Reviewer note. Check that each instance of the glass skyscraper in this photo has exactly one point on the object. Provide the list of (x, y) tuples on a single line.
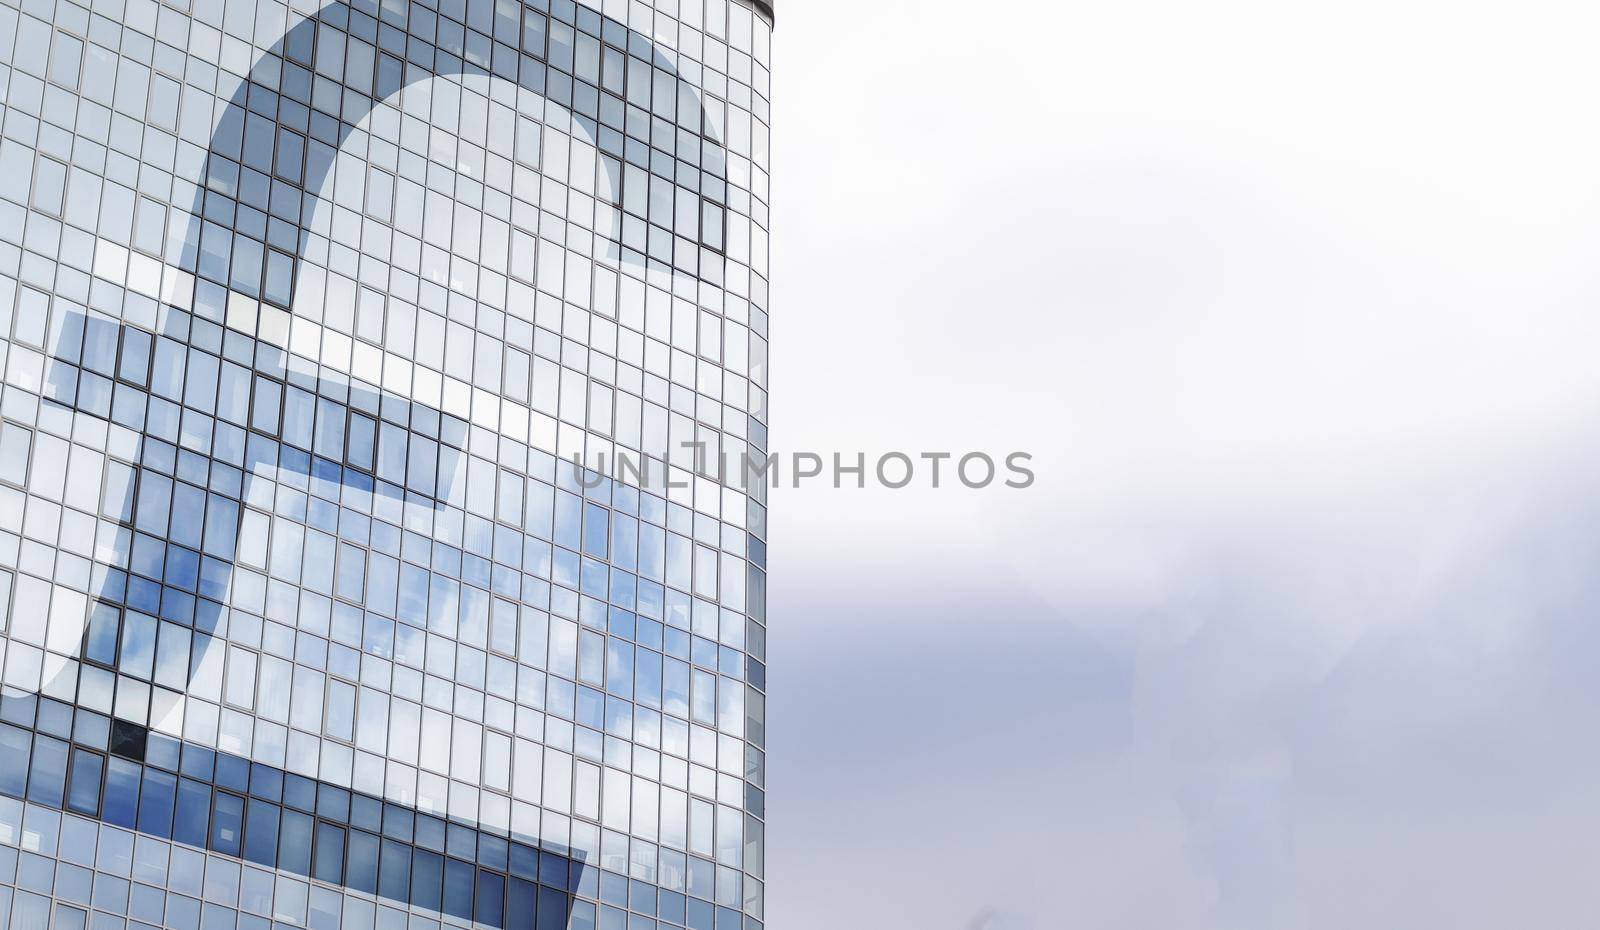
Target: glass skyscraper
[(308, 618)]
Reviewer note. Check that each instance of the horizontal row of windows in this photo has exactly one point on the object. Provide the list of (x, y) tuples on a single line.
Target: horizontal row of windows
[(280, 820), (509, 372), (240, 392), (193, 662), (174, 514), (354, 51), (392, 579), (374, 432)]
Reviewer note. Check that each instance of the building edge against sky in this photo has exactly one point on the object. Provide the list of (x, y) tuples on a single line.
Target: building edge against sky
[(308, 620)]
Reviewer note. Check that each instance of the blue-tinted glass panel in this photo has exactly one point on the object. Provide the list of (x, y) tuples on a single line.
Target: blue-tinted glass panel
[(521, 903), (121, 802), (394, 871), (490, 907), (193, 813), (458, 889), (15, 746), (361, 862), (294, 843), (227, 823), (157, 802), (47, 778), (261, 832), (553, 907), (83, 795), (329, 860), (427, 878)]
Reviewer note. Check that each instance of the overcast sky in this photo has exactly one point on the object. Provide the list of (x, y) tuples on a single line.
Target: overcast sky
[(1296, 308)]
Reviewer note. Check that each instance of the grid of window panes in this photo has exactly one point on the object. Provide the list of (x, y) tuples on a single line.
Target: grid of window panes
[(306, 623)]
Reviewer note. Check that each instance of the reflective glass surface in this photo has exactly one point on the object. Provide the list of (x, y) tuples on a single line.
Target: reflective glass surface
[(308, 617)]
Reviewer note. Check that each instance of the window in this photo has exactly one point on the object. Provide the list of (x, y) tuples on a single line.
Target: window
[(121, 799), (329, 858), (193, 813), (157, 802), (227, 823), (83, 794), (15, 745)]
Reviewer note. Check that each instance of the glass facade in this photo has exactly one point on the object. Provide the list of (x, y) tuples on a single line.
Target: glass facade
[(307, 616)]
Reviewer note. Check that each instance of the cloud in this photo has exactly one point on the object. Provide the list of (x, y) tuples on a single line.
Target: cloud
[(1313, 713), (1295, 309)]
